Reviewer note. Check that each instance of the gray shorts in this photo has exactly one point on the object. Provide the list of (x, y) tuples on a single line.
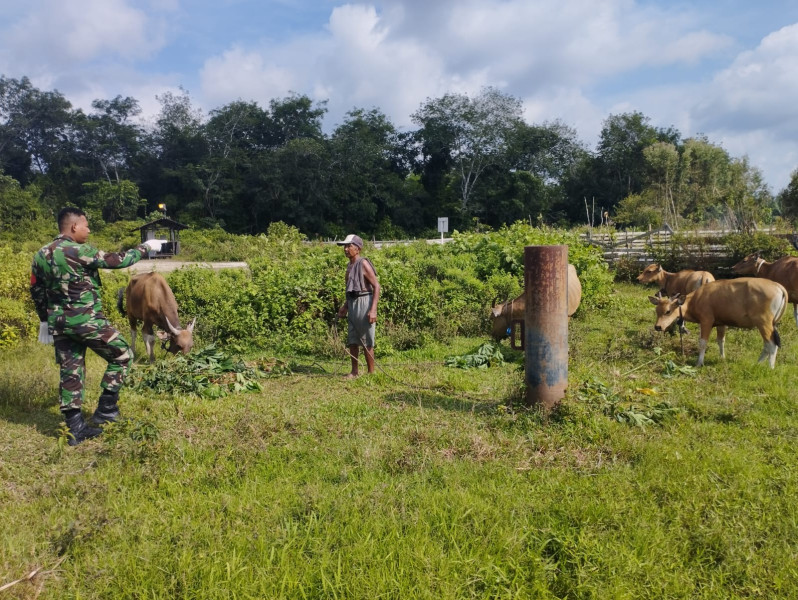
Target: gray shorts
[(360, 331)]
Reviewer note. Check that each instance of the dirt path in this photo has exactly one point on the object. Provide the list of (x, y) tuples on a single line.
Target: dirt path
[(165, 266)]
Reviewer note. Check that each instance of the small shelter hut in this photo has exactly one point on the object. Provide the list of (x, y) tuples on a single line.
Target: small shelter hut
[(167, 231)]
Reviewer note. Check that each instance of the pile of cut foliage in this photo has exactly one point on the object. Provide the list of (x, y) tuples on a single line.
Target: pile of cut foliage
[(487, 355), (209, 372)]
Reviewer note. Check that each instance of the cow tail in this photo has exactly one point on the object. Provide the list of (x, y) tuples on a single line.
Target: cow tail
[(120, 301), (776, 338)]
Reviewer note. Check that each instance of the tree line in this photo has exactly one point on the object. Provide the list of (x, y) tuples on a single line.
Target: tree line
[(473, 159)]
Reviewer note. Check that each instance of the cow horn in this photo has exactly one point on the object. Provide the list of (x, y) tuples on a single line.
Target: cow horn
[(493, 304), (190, 327), (172, 328)]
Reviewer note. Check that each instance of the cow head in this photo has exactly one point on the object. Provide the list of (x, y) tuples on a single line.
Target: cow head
[(667, 309), (180, 340), (749, 265), (650, 273), (501, 317)]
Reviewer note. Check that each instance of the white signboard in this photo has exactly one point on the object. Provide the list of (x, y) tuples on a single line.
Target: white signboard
[(443, 225)]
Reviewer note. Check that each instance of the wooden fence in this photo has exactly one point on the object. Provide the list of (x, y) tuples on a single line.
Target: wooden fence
[(698, 249)]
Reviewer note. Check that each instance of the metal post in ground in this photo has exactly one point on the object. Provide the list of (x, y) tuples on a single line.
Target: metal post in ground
[(546, 332)]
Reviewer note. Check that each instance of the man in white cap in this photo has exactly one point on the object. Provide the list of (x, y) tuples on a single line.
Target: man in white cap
[(362, 295)]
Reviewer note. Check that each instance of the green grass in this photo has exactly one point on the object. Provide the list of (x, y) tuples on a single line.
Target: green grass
[(419, 482)]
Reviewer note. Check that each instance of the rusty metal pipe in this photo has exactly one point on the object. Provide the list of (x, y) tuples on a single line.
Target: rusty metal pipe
[(546, 335)]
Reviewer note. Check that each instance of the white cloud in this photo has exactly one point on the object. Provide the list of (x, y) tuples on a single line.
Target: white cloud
[(57, 35)]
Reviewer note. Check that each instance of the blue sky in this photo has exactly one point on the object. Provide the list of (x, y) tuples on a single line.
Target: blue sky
[(727, 69)]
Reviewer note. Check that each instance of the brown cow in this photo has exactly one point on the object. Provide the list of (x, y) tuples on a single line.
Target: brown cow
[(515, 309), (669, 284), (151, 301), (746, 302), (783, 271)]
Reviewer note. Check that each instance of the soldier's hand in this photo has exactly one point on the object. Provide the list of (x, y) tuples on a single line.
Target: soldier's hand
[(44, 333), (154, 245)]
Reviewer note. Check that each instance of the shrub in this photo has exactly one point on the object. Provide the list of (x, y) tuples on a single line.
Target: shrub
[(741, 245), (17, 321)]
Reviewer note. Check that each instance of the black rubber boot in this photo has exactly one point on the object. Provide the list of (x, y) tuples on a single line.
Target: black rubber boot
[(107, 409), (78, 428)]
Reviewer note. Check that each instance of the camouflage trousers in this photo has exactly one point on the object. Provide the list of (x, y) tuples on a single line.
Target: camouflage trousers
[(70, 354)]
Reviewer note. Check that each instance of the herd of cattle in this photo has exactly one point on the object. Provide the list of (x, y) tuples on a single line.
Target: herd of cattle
[(755, 302)]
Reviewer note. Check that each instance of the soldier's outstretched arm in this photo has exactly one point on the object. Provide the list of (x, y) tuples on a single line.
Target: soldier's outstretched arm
[(91, 257)]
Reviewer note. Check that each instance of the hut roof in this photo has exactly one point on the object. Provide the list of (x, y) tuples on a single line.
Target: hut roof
[(163, 222)]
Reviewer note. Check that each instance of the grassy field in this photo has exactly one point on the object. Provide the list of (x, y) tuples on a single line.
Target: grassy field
[(653, 480)]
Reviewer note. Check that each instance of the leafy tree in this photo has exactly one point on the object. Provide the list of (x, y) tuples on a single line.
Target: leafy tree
[(367, 170), (16, 205), (703, 177), (292, 185), (620, 159), (662, 159), (474, 132), (295, 117), (112, 200), (788, 198), (748, 200), (548, 151), (111, 138), (173, 150)]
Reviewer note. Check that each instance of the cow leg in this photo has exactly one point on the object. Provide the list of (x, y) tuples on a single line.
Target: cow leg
[(149, 340), (149, 343), (722, 340), (795, 311), (769, 351), (769, 347), (706, 329), (133, 324)]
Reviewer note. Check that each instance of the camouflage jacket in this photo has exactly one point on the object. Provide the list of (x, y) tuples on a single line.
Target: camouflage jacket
[(65, 281)]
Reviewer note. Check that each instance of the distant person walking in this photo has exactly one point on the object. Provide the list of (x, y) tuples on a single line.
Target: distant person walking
[(65, 287), (362, 296)]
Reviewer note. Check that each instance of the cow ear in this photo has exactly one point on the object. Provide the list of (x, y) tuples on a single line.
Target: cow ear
[(676, 296), (496, 311), (162, 335), (654, 300), (681, 301), (190, 327)]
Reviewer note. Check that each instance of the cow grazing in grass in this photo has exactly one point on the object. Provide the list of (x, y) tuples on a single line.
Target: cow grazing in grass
[(783, 271), (746, 302), (515, 310), (669, 284), (151, 301)]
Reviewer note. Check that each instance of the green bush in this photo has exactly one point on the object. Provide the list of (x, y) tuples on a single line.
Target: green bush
[(503, 251), (17, 321), (742, 244)]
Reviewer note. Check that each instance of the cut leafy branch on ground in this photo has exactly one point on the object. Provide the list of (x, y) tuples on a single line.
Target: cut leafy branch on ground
[(487, 355), (625, 409), (209, 372)]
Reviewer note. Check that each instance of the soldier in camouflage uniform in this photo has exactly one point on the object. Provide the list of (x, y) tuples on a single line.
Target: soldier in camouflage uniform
[(65, 286)]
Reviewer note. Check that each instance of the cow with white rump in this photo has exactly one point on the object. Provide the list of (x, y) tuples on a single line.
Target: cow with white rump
[(783, 271), (151, 301), (746, 302), (504, 314)]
